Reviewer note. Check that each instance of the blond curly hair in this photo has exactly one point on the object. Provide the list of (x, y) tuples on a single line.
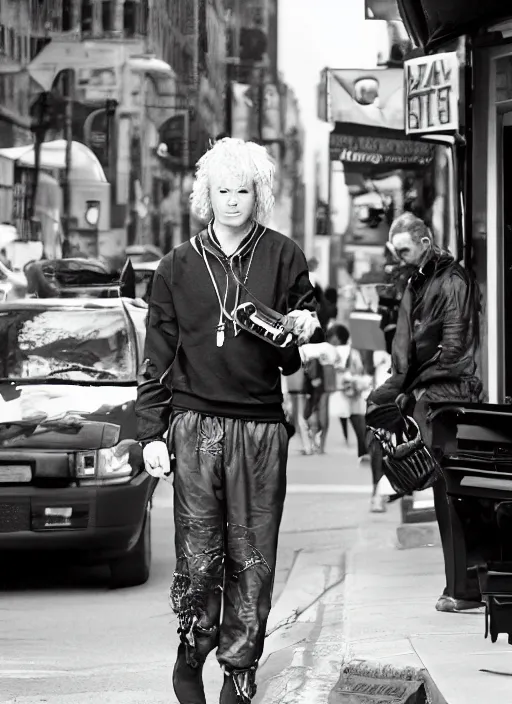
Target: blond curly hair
[(247, 161)]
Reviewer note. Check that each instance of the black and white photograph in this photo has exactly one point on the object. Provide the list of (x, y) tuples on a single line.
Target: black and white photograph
[(255, 385)]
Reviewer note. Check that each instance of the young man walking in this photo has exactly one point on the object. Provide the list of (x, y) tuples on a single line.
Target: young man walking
[(434, 358), (215, 387)]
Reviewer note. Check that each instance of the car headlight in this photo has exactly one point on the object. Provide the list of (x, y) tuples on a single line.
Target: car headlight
[(107, 463)]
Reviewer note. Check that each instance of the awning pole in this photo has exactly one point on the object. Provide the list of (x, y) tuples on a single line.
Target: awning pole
[(468, 171)]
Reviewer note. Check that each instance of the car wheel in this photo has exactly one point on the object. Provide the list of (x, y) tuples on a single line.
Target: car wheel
[(133, 569)]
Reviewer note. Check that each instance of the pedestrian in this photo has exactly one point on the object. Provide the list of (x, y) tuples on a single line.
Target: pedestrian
[(329, 311), (297, 398), (319, 383), (348, 401), (381, 489), (215, 387), (434, 359)]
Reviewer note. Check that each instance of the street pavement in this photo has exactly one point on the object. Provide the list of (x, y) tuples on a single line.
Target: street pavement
[(65, 638)]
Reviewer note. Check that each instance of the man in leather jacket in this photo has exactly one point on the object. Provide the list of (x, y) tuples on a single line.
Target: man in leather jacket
[(215, 387), (434, 359)]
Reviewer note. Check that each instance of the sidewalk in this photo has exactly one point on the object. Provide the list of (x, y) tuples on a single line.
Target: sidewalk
[(373, 628)]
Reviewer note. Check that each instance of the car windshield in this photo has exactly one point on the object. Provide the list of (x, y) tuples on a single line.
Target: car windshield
[(66, 344)]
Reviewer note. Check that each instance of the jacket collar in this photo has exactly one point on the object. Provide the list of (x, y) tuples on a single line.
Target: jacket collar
[(211, 244), (435, 266)]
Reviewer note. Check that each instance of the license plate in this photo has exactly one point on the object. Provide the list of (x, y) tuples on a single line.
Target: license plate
[(15, 474)]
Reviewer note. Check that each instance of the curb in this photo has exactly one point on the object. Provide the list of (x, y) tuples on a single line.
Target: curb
[(427, 691)]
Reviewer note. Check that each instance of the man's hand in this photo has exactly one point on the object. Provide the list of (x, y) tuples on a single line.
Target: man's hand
[(302, 324), (156, 459)]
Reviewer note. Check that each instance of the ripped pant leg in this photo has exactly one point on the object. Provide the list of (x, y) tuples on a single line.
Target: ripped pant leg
[(196, 592), (255, 456)]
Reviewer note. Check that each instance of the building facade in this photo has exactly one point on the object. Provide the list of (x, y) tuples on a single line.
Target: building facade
[(19, 44), (262, 108), (144, 76), (470, 109)]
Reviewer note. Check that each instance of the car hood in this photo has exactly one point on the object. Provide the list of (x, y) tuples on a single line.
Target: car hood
[(65, 416)]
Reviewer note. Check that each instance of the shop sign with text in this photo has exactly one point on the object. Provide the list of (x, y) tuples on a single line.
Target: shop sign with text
[(379, 151), (432, 94)]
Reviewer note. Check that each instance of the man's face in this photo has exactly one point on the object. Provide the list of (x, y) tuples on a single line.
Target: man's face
[(232, 200), (409, 251)]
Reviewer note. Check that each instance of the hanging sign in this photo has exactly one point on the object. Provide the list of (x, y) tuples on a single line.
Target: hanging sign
[(379, 151), (432, 94)]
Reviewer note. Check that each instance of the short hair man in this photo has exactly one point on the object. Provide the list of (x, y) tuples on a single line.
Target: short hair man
[(434, 359), (217, 388)]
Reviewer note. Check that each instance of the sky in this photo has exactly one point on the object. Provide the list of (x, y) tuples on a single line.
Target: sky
[(314, 34)]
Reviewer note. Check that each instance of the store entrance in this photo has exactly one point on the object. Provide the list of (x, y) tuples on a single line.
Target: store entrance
[(507, 249)]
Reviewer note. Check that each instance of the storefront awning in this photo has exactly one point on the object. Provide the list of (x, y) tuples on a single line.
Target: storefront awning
[(434, 22), (84, 164)]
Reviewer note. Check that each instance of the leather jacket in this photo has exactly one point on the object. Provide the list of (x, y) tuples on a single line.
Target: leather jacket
[(436, 336)]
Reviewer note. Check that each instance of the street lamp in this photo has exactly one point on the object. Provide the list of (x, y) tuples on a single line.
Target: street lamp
[(92, 212)]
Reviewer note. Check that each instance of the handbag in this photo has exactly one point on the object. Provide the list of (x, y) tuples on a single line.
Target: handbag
[(408, 463)]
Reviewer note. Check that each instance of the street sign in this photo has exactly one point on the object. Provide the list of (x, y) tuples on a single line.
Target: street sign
[(432, 94), (379, 151)]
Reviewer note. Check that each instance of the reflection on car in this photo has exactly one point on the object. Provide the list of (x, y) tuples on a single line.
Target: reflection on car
[(71, 473), (144, 272)]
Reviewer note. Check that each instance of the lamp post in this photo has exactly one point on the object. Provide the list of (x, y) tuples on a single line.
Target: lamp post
[(69, 91), (144, 64)]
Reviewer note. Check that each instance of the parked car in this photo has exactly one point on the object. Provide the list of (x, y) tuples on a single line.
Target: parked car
[(144, 272), (143, 253), (71, 472)]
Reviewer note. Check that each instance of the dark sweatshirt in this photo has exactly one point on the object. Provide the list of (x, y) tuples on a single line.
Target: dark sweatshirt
[(184, 368)]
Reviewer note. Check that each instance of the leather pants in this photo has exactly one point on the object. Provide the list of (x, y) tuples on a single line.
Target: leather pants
[(229, 491)]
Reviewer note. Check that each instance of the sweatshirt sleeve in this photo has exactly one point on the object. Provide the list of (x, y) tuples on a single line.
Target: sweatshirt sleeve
[(153, 405), (300, 295)]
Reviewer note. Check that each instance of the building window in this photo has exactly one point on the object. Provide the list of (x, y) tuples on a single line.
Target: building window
[(143, 17), (11, 47), (37, 44), (3, 48), (87, 16), (67, 15), (107, 15), (130, 18)]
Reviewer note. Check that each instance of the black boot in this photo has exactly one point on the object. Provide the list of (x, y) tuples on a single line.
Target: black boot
[(238, 688), (187, 677), (228, 693)]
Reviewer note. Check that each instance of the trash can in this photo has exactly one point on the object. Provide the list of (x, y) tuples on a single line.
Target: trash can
[(474, 445)]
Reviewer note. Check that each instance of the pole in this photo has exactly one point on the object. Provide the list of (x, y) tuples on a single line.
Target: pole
[(229, 101), (467, 243), (261, 99), (68, 136)]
